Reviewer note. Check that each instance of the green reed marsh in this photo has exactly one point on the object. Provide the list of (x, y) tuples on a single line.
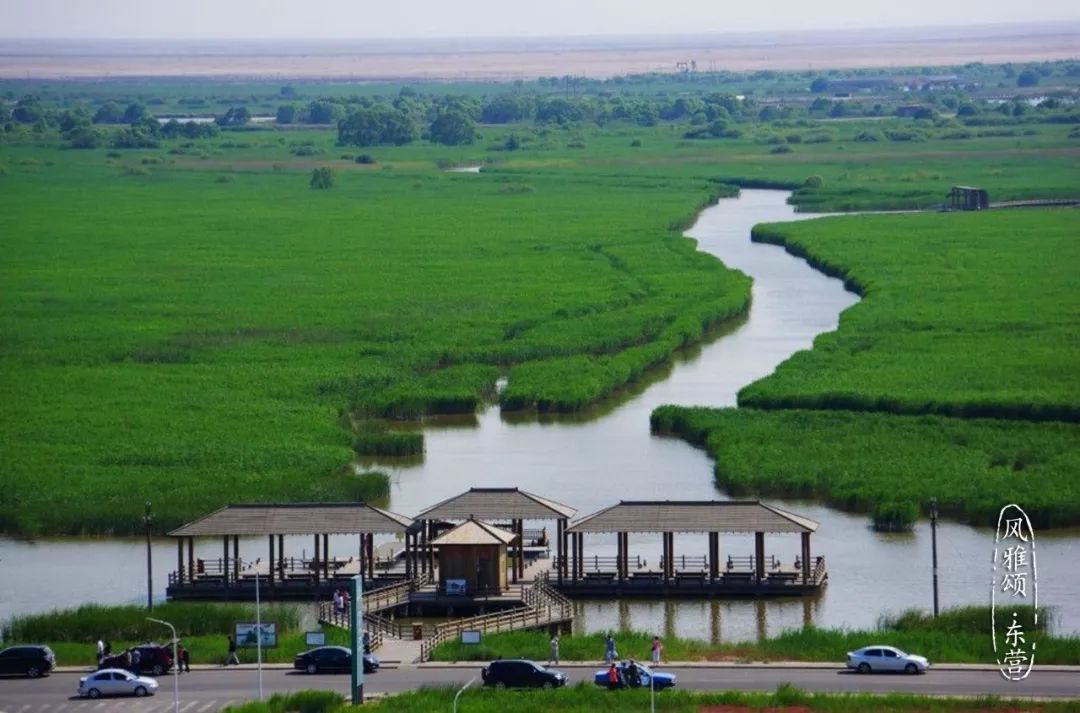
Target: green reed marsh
[(963, 315)]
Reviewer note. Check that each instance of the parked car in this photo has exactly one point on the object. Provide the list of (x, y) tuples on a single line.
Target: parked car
[(116, 682), (637, 675), (152, 659), (518, 673), (332, 659), (27, 660), (885, 658)]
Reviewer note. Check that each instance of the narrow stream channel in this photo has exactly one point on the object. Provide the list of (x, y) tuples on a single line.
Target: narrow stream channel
[(592, 461)]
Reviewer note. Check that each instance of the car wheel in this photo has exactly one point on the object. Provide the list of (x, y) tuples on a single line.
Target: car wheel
[(93, 693), (140, 691), (548, 685), (500, 684), (312, 668), (33, 672), (158, 669), (911, 668), (864, 667)]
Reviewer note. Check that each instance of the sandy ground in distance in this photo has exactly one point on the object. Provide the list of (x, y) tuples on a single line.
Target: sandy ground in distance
[(530, 63)]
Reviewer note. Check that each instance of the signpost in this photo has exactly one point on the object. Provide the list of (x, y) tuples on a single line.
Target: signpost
[(356, 624)]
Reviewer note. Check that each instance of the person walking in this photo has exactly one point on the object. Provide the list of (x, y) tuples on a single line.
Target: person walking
[(657, 650), (553, 655), (136, 662), (183, 665), (233, 660), (613, 676), (610, 654)]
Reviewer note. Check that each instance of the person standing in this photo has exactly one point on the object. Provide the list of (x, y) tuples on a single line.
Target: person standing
[(553, 655), (613, 676), (233, 660), (657, 650), (610, 654), (100, 650), (183, 665), (136, 662)]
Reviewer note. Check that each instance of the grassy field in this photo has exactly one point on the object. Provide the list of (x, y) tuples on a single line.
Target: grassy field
[(584, 698), (196, 321), (206, 338), (959, 635), (853, 460), (963, 315), (73, 633)]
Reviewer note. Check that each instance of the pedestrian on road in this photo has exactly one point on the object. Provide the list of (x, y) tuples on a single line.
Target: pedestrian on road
[(657, 649), (610, 654), (136, 662), (184, 663), (100, 650), (232, 660), (553, 656)]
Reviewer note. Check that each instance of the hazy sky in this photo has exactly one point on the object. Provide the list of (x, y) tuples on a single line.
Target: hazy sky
[(492, 18)]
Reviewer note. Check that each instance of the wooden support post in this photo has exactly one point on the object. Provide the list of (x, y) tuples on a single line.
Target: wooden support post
[(179, 560), (806, 557), (759, 556), (521, 549), (326, 555), (225, 561), (236, 557), (618, 556), (270, 562), (281, 556), (573, 557), (371, 554), (315, 562), (191, 559), (559, 550), (714, 556), (581, 553)]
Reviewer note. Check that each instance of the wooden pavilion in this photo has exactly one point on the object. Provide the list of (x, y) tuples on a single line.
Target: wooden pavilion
[(229, 576), (494, 505), (693, 576), (474, 555)]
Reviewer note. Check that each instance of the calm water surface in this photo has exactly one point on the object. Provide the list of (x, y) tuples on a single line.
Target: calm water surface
[(590, 462)]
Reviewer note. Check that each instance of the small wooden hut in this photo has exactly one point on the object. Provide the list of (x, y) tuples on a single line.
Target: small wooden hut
[(472, 558)]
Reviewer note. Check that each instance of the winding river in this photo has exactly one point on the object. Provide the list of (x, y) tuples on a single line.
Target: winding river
[(591, 461)]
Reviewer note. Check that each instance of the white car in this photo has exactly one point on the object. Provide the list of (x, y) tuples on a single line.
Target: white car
[(116, 682), (885, 658)]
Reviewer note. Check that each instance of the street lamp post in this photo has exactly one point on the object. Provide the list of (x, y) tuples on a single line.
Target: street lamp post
[(933, 547), (148, 518), (176, 661), (458, 694)]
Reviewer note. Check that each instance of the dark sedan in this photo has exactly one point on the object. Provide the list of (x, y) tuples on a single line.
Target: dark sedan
[(332, 659), (30, 660)]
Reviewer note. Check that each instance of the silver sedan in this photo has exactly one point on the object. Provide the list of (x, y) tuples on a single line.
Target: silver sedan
[(116, 682), (885, 658)]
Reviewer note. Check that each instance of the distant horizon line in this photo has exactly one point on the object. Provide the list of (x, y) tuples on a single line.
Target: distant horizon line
[(1046, 26)]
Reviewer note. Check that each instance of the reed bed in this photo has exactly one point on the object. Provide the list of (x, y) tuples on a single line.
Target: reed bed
[(855, 460)]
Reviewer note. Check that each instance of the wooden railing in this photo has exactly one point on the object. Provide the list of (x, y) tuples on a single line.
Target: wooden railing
[(543, 606), (340, 619), (819, 570)]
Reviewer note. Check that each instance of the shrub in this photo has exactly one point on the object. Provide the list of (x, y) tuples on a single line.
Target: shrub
[(365, 159), (636, 143), (782, 148), (895, 516), (322, 178), (814, 181)]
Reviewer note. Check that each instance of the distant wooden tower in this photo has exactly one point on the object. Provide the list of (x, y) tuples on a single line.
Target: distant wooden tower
[(968, 198)]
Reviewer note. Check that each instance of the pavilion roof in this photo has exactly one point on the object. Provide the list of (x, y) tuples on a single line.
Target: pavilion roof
[(475, 532), (732, 516), (497, 504), (296, 519)]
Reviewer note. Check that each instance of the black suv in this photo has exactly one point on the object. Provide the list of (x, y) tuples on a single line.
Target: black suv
[(32, 661), (153, 659), (517, 673)]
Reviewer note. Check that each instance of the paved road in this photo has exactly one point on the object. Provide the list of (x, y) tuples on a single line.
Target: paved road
[(212, 689)]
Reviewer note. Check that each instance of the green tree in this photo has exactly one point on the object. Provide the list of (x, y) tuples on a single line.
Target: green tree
[(452, 128), (1027, 78), (375, 125), (134, 112), (286, 114), (109, 113), (819, 85), (235, 116)]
